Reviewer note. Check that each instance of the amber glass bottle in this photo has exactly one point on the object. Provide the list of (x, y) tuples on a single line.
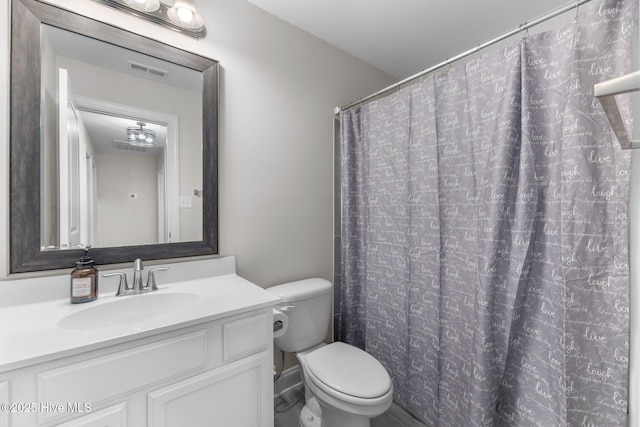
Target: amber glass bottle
[(84, 280)]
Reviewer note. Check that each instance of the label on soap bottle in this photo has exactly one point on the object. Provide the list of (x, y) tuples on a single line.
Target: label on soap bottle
[(81, 287)]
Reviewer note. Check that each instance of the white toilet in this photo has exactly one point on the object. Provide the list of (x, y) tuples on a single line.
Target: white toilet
[(344, 386)]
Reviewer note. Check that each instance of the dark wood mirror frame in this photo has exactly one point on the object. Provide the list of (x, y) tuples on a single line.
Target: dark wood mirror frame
[(25, 247)]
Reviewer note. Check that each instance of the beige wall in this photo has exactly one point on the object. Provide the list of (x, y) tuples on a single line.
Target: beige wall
[(50, 171), (278, 89)]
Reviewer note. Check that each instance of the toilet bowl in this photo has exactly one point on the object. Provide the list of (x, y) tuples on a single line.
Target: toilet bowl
[(344, 385), (350, 385)]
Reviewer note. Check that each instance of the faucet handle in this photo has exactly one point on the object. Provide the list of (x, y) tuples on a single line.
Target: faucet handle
[(123, 286), (151, 278)]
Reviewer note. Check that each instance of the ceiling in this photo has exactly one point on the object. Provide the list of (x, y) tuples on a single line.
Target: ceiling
[(404, 37), (110, 56), (107, 129), (108, 133)]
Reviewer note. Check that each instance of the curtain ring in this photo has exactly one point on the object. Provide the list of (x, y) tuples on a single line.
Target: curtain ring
[(480, 51), (524, 31), (577, 9)]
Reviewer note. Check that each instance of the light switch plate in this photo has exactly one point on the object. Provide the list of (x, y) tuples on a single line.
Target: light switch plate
[(185, 202)]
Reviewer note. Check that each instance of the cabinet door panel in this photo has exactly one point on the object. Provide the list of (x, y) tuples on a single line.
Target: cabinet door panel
[(114, 416), (116, 374), (230, 396), (245, 336), (4, 398)]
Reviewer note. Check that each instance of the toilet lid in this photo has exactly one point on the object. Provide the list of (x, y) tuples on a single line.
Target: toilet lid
[(349, 370)]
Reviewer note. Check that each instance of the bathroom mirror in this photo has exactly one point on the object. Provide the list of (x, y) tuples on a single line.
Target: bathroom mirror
[(40, 236), (128, 147)]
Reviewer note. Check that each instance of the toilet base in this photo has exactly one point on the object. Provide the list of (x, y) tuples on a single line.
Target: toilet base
[(308, 418), (336, 418)]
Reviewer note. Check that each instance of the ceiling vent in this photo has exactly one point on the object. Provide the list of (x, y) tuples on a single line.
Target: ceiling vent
[(122, 145), (141, 68)]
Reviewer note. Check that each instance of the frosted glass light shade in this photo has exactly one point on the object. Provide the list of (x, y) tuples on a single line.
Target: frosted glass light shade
[(185, 14), (141, 137), (143, 5)]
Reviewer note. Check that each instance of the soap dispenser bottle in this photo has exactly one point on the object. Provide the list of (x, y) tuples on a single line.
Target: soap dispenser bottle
[(84, 280)]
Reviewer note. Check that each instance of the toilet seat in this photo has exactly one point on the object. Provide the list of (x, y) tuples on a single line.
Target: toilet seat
[(342, 369)]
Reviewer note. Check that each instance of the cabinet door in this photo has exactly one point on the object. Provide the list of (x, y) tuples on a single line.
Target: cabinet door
[(4, 398), (114, 416), (234, 395)]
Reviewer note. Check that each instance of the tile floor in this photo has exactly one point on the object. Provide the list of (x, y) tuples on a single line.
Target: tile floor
[(289, 404)]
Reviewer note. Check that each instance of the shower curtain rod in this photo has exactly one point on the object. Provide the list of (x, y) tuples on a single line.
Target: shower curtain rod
[(478, 48)]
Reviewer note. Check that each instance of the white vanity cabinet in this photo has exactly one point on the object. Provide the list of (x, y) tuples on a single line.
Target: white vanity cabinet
[(215, 373)]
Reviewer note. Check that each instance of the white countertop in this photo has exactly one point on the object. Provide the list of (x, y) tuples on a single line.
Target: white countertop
[(30, 333)]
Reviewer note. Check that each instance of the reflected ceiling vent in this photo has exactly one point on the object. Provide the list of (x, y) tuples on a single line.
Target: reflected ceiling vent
[(125, 146), (155, 72)]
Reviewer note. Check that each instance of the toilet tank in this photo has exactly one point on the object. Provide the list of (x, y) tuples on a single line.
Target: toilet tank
[(307, 304)]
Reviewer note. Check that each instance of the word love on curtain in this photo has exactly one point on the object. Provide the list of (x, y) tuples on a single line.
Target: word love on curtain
[(485, 233)]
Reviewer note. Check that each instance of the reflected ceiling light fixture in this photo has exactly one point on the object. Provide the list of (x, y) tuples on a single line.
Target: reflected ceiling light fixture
[(141, 137), (182, 16)]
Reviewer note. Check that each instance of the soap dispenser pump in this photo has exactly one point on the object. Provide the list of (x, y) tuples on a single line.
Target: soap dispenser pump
[(84, 280)]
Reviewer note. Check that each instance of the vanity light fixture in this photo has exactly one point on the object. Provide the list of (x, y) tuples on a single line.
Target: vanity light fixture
[(185, 14), (141, 137), (182, 16), (143, 5)]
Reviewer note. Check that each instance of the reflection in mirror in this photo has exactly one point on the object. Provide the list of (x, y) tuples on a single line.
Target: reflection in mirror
[(100, 188), (78, 175)]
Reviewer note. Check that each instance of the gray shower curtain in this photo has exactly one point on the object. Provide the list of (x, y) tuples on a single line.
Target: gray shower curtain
[(485, 233)]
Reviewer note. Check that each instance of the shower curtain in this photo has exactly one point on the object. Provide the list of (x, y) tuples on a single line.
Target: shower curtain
[(484, 233)]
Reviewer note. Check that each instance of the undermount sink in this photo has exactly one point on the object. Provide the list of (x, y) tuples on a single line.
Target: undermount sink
[(128, 310)]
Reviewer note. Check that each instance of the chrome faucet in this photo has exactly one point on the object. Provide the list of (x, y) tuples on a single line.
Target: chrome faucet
[(137, 276), (138, 287)]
